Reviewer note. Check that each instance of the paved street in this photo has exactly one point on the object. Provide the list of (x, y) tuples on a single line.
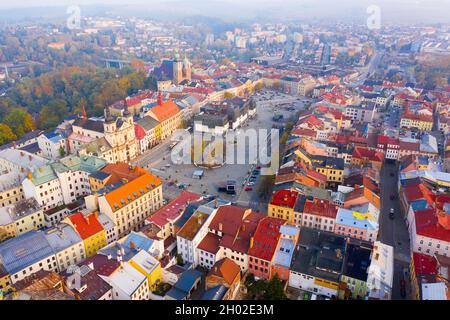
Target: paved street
[(158, 160), (394, 232)]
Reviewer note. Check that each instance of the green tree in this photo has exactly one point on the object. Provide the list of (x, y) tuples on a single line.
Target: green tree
[(62, 152), (274, 289), (52, 114), (20, 121)]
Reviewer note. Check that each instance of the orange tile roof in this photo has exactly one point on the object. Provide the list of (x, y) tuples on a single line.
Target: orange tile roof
[(226, 269), (191, 227), (129, 192), (122, 170), (86, 226), (165, 111)]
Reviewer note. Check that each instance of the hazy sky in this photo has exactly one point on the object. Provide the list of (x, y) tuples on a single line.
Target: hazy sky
[(393, 10)]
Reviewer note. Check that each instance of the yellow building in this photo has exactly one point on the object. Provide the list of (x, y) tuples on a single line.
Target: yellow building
[(168, 114), (421, 122), (149, 267), (11, 195), (282, 206), (90, 230), (19, 218), (131, 203), (332, 168)]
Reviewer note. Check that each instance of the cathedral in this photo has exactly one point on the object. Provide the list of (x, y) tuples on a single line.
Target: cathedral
[(176, 70)]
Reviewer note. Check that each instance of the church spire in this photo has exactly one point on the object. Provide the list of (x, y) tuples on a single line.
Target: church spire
[(108, 116), (83, 112), (126, 112)]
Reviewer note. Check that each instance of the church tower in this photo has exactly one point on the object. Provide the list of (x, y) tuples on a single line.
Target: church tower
[(109, 125), (186, 69), (177, 69), (127, 116)]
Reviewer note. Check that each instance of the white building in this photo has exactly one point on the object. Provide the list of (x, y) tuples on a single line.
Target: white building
[(110, 228), (13, 160), (62, 182), (67, 245), (53, 145), (128, 284), (193, 232), (381, 272)]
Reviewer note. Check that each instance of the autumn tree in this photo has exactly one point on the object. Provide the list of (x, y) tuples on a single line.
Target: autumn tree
[(20, 121), (228, 95), (6, 134)]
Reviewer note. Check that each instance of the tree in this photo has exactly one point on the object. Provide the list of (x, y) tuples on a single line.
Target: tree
[(20, 121), (259, 86), (62, 152), (180, 261), (265, 184), (228, 95), (274, 289), (137, 65), (6, 134), (52, 114)]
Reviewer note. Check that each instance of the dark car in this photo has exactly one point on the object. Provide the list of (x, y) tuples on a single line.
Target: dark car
[(392, 174), (393, 197)]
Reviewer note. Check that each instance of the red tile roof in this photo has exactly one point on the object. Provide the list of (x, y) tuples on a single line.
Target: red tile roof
[(413, 193), (265, 239), (240, 241), (228, 219), (210, 243), (139, 131), (369, 154), (284, 198), (321, 208), (410, 146), (424, 264), (300, 132), (427, 225), (174, 209), (86, 226)]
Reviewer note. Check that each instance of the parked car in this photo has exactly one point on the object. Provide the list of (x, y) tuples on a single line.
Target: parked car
[(248, 189), (251, 183)]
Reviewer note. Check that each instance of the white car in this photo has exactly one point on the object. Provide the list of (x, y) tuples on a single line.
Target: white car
[(251, 183)]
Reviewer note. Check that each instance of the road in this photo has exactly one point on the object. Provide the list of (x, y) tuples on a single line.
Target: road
[(368, 70), (394, 232)]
